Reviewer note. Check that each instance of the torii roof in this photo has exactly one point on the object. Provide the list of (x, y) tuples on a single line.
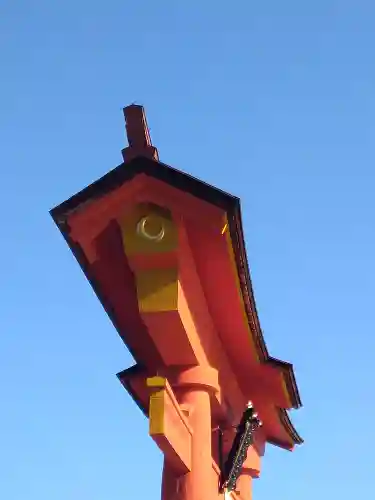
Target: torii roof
[(149, 166), (124, 173)]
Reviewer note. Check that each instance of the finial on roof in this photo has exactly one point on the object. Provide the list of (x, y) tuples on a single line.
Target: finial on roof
[(138, 134)]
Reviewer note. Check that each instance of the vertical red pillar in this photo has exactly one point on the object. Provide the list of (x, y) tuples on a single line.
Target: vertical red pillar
[(244, 485), (195, 388), (197, 484)]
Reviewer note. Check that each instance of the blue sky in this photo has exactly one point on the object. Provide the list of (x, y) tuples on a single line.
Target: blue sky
[(272, 101)]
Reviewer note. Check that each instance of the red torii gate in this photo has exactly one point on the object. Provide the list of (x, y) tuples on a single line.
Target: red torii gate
[(165, 254)]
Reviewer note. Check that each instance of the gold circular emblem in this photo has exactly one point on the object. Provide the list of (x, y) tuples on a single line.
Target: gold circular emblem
[(151, 228)]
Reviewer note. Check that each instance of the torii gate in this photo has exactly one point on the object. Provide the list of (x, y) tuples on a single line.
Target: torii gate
[(165, 254)]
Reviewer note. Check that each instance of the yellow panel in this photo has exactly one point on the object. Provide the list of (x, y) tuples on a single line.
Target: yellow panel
[(156, 412), (156, 381), (156, 220), (157, 290)]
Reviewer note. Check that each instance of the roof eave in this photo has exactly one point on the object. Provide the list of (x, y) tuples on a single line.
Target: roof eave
[(238, 240)]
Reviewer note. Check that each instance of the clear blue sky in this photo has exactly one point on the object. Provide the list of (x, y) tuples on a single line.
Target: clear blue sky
[(273, 101)]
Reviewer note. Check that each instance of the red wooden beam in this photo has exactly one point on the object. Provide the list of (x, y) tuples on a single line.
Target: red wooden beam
[(138, 134)]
